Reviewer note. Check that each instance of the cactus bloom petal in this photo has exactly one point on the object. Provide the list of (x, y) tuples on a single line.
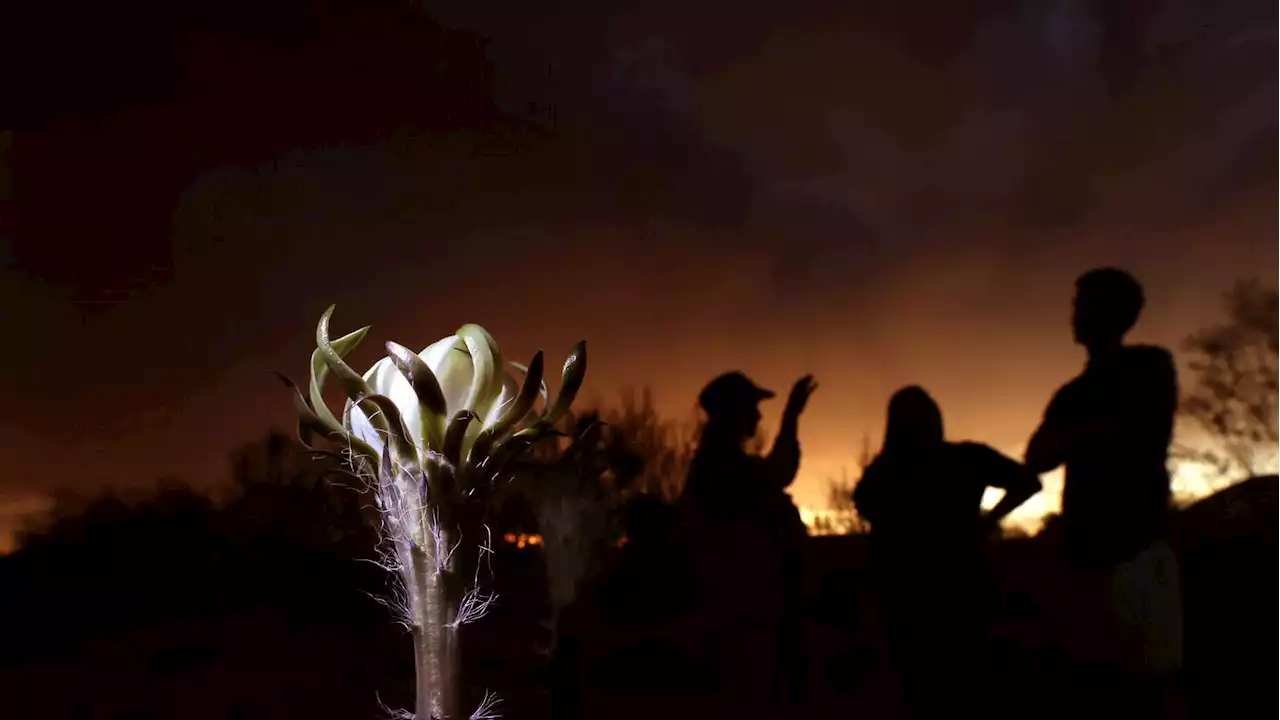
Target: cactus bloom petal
[(463, 380)]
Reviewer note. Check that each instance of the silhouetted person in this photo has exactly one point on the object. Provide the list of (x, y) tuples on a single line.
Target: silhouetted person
[(923, 498), (1111, 427), (748, 541)]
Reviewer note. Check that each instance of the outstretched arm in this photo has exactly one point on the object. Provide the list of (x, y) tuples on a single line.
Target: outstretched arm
[(1011, 501), (1019, 483)]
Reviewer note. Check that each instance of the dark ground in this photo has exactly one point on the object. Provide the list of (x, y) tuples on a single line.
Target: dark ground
[(92, 640)]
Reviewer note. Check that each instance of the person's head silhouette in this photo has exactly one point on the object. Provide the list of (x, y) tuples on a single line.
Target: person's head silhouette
[(1107, 304), (732, 404), (914, 422)]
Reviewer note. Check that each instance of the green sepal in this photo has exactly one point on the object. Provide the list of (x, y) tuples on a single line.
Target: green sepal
[(515, 412), (456, 435), (486, 361), (308, 423), (543, 391), (513, 448), (320, 371), (502, 459), (427, 387), (523, 401), (406, 453), (352, 384), (575, 370)]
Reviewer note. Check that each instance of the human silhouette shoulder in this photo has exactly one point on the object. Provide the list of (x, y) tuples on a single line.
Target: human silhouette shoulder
[(921, 482), (923, 497), (1110, 428), (723, 472), (1125, 395), (1111, 425)]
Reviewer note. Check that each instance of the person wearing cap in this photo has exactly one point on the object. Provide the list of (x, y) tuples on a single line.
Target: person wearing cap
[(724, 475), (748, 537)]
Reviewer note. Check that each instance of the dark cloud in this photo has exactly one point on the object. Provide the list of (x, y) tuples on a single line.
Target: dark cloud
[(877, 193), (1248, 171)]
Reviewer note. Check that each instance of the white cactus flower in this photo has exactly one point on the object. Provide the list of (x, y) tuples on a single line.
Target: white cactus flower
[(450, 411), (434, 432), (456, 372)]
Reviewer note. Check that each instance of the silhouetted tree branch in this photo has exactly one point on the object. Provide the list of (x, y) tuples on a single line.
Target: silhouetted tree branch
[(1231, 396), (655, 450), (844, 517)]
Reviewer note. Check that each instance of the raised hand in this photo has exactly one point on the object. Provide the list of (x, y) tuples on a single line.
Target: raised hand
[(799, 397)]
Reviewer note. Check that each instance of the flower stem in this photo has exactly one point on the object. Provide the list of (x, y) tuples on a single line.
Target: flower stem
[(437, 659)]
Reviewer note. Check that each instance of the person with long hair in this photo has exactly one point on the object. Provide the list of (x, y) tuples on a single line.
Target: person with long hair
[(923, 498)]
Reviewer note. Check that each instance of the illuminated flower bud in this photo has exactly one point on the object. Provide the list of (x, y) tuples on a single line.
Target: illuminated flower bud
[(452, 382), (433, 432), (455, 399)]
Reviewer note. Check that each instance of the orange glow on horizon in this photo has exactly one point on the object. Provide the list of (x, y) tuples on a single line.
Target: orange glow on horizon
[(1190, 482)]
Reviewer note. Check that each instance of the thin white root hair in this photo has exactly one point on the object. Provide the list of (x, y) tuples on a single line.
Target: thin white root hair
[(488, 709), (399, 521), (389, 559), (355, 462), (486, 552), (475, 603), (386, 561), (391, 713), (396, 606), (442, 554)]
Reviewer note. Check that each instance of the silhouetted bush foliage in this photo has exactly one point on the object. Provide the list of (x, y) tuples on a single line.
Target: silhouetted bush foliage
[(204, 588), (254, 601), (1231, 394)]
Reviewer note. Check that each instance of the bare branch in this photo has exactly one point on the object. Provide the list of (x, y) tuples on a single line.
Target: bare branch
[(1232, 400)]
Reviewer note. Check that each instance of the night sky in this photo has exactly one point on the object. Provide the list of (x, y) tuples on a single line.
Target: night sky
[(896, 194)]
